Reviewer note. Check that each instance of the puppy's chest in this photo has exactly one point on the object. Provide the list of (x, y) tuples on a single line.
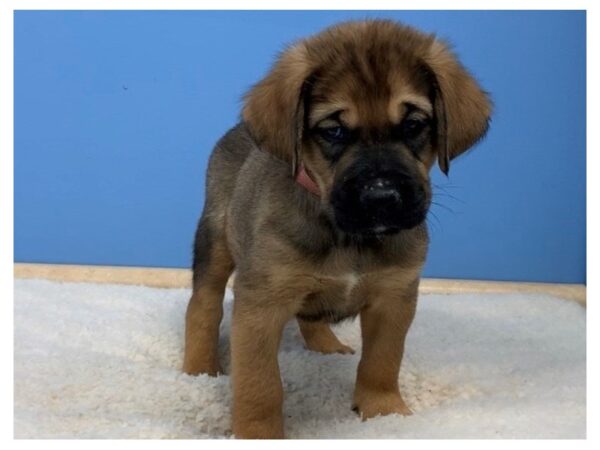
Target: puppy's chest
[(336, 296)]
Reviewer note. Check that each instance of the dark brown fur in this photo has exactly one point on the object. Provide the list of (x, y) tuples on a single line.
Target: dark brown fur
[(291, 257)]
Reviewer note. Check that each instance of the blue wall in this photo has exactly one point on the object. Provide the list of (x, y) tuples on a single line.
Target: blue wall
[(116, 113)]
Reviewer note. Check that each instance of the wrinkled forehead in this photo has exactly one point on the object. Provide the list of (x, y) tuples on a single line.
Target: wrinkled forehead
[(369, 98)]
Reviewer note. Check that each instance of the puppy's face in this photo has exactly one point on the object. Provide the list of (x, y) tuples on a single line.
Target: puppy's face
[(370, 149), (367, 108)]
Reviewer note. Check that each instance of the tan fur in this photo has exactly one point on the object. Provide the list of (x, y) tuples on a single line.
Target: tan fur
[(289, 263), (274, 101), (466, 105), (319, 338), (204, 314)]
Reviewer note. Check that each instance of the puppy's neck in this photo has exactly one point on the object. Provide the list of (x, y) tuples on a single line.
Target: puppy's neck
[(306, 181)]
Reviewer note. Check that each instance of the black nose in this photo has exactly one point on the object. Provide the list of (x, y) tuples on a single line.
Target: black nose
[(380, 192)]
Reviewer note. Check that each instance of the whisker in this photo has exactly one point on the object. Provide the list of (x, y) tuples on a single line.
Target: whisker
[(447, 186), (445, 194), (447, 208), (436, 219)]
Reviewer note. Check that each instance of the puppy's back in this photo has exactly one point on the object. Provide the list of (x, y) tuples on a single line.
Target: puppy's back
[(224, 164)]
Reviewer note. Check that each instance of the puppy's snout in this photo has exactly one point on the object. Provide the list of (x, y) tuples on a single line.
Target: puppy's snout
[(382, 192), (378, 202)]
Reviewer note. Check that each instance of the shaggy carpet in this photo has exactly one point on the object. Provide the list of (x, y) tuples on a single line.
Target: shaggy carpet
[(103, 361)]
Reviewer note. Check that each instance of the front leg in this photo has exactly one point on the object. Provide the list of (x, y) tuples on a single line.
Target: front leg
[(256, 332), (384, 324)]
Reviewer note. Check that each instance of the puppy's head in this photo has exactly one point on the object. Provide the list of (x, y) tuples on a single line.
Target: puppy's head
[(367, 108)]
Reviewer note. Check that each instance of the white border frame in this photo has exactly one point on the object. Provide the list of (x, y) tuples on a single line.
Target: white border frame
[(7, 8)]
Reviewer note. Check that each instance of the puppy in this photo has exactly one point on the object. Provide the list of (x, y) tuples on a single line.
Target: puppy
[(318, 199)]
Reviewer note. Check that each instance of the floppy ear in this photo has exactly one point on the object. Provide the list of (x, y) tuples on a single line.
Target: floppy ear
[(274, 108), (461, 107)]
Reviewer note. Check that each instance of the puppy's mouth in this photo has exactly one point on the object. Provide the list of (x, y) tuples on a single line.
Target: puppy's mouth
[(379, 206)]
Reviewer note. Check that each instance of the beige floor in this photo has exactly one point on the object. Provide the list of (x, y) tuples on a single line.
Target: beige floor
[(168, 278)]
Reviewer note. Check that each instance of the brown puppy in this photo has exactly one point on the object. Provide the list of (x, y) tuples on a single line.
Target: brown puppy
[(318, 200)]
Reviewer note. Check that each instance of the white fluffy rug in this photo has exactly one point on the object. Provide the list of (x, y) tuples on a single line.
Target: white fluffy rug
[(103, 361)]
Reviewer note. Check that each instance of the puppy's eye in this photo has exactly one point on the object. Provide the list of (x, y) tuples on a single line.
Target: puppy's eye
[(411, 127), (335, 135)]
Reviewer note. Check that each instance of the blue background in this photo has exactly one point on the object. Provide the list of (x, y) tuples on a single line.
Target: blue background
[(116, 113)]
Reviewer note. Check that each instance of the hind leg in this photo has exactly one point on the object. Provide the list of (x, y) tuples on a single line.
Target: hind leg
[(319, 338), (212, 267)]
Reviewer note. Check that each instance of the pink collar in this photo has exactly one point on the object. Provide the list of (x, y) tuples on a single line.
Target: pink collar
[(305, 180)]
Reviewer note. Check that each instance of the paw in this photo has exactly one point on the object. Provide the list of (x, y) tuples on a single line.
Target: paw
[(329, 347), (319, 338), (370, 404)]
